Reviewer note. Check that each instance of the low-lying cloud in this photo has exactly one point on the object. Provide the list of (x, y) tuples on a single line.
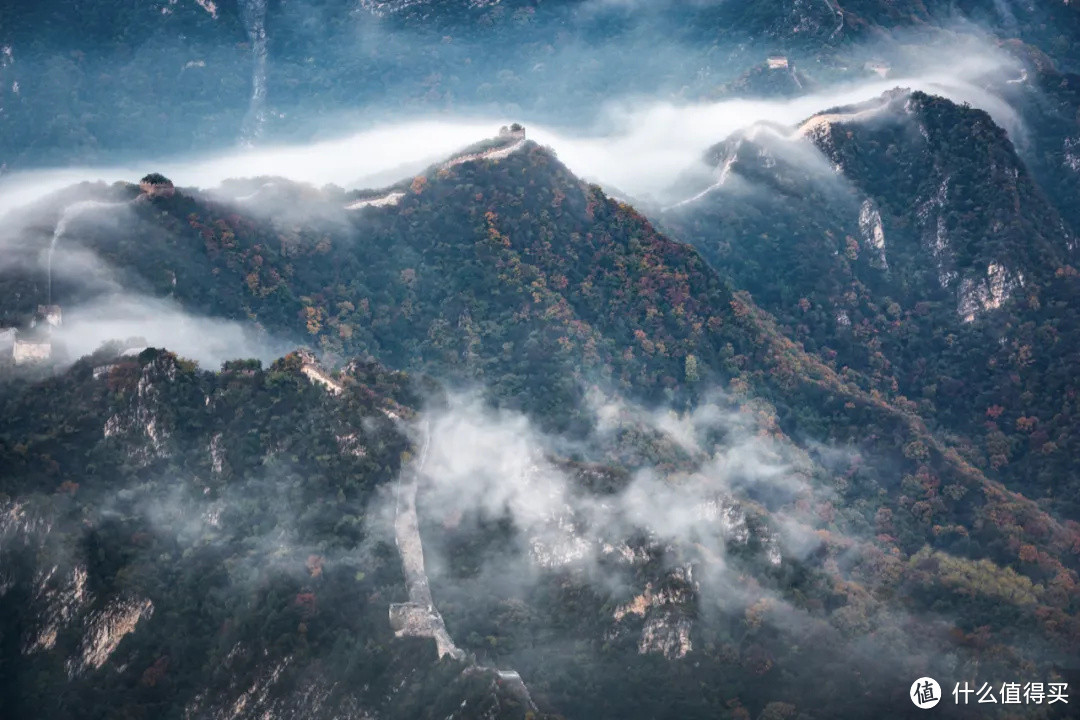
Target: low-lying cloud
[(489, 466), (156, 322), (636, 145)]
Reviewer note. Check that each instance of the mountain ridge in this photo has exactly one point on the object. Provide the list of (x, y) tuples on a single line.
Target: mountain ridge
[(513, 274)]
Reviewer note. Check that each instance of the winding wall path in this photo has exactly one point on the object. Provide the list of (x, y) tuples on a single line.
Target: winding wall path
[(419, 617)]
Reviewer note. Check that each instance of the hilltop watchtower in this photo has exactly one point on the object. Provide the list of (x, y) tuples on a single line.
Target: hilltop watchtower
[(515, 131), (52, 315), (157, 185), (35, 350)]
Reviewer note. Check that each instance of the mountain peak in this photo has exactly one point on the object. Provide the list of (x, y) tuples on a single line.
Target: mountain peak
[(463, 435)]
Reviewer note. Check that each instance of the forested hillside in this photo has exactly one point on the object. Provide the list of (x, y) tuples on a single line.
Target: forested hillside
[(741, 385), (920, 253), (847, 515), (181, 543)]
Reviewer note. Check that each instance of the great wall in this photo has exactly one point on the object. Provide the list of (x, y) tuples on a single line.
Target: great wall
[(514, 135), (418, 616)]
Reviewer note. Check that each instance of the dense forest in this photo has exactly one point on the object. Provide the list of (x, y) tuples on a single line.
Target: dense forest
[(780, 426), (224, 513), (902, 251), (513, 276)]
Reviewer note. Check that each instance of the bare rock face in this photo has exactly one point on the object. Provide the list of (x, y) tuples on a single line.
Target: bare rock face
[(1072, 154), (140, 424), (989, 293), (873, 231), (381, 8), (667, 627), (104, 629)]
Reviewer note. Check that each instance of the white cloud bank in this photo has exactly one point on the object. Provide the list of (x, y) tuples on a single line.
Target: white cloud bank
[(638, 145), (163, 323)]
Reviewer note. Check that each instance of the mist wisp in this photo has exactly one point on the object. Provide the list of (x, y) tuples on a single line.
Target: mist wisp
[(636, 145)]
